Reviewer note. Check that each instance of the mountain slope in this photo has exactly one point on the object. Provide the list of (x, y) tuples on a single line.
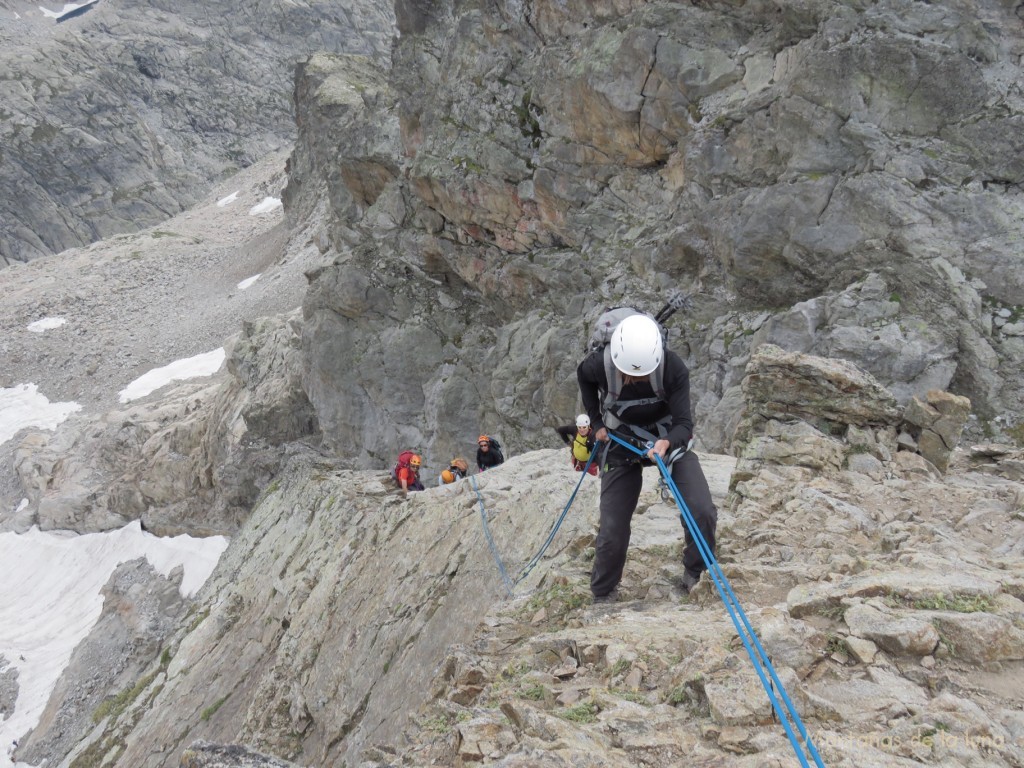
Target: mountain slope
[(124, 116)]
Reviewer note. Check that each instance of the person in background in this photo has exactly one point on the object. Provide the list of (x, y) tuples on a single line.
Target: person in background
[(488, 453), (407, 472), (581, 438), (457, 469)]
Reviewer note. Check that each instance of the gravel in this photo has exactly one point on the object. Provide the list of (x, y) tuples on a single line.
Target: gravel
[(139, 301)]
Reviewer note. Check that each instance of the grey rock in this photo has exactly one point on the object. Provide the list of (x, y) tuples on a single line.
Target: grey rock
[(979, 637), (140, 610), (936, 425), (8, 687), (781, 385), (898, 633), (124, 116), (202, 754), (190, 459)]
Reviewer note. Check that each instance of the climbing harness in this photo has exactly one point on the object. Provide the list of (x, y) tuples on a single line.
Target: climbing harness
[(676, 455), (510, 584), (761, 661)]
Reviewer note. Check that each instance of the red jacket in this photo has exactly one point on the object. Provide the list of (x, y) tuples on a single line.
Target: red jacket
[(407, 474)]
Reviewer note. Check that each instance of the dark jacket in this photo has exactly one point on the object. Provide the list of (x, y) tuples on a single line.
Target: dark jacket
[(591, 376), (489, 459)]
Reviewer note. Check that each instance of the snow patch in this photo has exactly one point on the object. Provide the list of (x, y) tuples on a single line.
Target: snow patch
[(22, 406), (52, 599), (205, 364), (268, 204), (68, 8), (248, 281), (227, 200), (46, 324)]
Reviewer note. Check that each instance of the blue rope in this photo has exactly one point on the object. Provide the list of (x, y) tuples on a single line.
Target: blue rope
[(732, 605), (490, 541), (510, 584), (536, 558)]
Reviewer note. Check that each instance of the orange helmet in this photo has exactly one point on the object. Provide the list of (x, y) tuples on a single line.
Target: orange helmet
[(415, 461), (448, 476), (460, 463), (483, 439)]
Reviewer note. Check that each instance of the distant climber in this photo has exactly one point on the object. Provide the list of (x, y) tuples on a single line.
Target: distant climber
[(407, 472), (488, 453), (647, 400), (581, 438), (457, 469)]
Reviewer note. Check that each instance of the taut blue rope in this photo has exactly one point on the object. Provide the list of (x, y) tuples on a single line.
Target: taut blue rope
[(736, 613)]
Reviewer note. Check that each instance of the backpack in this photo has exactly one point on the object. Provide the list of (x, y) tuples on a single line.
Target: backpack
[(601, 335), (403, 461), (496, 449)]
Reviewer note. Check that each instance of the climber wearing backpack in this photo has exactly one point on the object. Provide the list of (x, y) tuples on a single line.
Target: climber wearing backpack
[(488, 453), (641, 391), (457, 469), (581, 438), (407, 472)]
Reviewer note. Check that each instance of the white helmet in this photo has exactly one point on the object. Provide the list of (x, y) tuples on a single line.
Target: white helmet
[(583, 420), (636, 345)]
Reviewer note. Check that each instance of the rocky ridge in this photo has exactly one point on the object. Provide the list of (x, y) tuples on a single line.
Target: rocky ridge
[(889, 596), (809, 175), (123, 117), (131, 304)]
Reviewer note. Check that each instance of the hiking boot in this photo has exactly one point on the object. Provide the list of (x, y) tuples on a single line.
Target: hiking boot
[(688, 581), (611, 597)]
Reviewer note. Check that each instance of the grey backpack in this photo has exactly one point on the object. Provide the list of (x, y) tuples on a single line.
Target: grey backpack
[(598, 344)]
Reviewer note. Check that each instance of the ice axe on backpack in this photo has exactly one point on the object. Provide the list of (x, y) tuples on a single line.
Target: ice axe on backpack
[(677, 300)]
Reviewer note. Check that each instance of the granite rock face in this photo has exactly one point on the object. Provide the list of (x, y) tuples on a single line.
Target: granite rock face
[(118, 119), (806, 172), (346, 623)]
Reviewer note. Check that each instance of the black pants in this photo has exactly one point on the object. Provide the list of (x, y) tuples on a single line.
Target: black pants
[(620, 491)]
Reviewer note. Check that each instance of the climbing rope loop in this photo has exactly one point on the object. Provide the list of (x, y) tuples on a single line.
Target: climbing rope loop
[(510, 584), (490, 541), (750, 640)]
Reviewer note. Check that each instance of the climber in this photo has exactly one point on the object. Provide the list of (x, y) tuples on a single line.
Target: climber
[(488, 453), (407, 472), (646, 406), (581, 438), (457, 469)]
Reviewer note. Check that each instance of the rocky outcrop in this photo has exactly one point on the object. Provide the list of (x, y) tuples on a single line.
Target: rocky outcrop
[(118, 119), (141, 609), (343, 103), (935, 425), (347, 623), (205, 755), (809, 176), (8, 688), (192, 460), (820, 414), (333, 651)]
